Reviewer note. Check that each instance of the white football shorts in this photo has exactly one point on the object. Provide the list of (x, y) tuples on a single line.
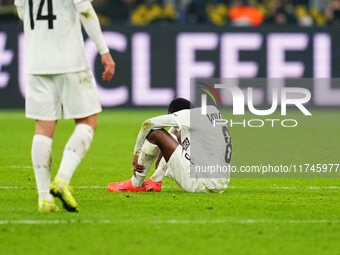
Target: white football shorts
[(179, 171), (74, 94)]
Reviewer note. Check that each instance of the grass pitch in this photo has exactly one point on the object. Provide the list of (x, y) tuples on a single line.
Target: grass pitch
[(253, 216)]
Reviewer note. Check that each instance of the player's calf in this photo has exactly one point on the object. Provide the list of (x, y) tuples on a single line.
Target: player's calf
[(166, 143)]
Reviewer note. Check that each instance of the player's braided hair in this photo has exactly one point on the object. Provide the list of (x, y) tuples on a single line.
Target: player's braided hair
[(179, 104)]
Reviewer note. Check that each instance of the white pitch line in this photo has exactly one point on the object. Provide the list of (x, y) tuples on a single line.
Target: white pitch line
[(76, 187), (217, 221), (333, 187), (169, 186), (90, 187), (247, 221), (287, 187), (16, 167)]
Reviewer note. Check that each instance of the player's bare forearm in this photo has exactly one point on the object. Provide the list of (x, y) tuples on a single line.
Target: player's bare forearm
[(109, 66)]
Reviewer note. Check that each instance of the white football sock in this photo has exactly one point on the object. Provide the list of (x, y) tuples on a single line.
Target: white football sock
[(75, 150), (41, 159), (160, 172), (146, 158)]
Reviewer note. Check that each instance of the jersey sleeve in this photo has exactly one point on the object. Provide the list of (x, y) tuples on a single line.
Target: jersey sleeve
[(82, 5), (81, 1), (18, 3), (90, 22), (20, 8), (182, 118), (152, 124)]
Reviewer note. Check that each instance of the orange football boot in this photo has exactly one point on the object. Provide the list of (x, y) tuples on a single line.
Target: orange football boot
[(124, 186), (151, 186)]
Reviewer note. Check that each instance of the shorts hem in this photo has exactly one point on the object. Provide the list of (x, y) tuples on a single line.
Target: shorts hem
[(80, 116), (56, 72), (35, 117)]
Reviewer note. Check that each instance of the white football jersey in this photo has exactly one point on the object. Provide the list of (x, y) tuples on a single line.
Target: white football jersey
[(54, 42), (204, 143)]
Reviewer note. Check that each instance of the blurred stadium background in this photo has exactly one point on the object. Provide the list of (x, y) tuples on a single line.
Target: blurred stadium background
[(217, 12), (160, 45)]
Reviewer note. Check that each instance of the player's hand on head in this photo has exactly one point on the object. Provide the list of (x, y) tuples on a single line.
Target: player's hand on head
[(109, 66)]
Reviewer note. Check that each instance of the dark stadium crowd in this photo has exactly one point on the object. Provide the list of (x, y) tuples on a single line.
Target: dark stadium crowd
[(217, 12)]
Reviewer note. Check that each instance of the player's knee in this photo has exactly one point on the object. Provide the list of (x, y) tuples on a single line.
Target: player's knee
[(155, 135), (90, 121), (45, 128), (94, 125)]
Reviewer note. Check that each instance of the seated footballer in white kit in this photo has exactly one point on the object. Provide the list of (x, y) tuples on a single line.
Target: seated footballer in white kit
[(60, 80), (174, 151)]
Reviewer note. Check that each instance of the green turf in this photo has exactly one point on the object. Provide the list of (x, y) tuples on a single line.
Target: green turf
[(253, 216)]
